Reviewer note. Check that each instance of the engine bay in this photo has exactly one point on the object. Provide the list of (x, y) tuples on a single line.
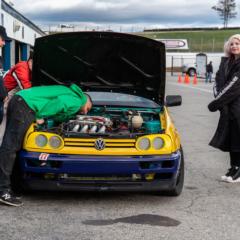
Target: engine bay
[(103, 121)]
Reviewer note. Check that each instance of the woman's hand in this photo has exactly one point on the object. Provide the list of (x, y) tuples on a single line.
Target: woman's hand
[(212, 107)]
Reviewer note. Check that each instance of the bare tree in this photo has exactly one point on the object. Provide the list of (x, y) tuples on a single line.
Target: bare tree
[(226, 10)]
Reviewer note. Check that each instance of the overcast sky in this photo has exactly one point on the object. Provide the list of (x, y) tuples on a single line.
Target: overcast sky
[(123, 13)]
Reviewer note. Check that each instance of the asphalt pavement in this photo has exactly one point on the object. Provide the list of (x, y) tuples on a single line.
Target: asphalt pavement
[(207, 209)]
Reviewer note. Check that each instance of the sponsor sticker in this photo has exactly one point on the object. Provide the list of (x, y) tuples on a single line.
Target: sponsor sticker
[(43, 156)]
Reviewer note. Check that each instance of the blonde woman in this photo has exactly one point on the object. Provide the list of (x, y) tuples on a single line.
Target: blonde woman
[(227, 101)]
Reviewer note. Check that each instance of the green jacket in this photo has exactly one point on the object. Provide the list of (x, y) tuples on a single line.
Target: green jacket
[(56, 101)]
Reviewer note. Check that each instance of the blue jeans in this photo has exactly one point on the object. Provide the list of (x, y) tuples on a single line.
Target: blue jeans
[(208, 77)]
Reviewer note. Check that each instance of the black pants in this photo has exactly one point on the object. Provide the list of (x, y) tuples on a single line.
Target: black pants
[(19, 119), (235, 159), (3, 94)]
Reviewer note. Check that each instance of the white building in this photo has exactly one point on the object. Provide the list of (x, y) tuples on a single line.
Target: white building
[(22, 32)]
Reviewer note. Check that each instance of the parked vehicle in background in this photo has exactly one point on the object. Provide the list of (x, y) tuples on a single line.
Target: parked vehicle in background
[(189, 69)]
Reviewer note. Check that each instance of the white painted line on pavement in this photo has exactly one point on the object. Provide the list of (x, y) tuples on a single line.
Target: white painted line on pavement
[(187, 86)]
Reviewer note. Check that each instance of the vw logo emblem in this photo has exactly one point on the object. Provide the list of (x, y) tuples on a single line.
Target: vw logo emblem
[(99, 144)]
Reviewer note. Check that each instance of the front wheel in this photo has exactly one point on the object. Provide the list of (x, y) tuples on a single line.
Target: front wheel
[(191, 72), (176, 191)]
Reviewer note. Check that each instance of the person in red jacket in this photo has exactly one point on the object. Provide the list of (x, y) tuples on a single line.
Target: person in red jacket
[(19, 76)]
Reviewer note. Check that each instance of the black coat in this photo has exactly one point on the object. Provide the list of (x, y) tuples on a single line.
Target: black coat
[(227, 101), (209, 68)]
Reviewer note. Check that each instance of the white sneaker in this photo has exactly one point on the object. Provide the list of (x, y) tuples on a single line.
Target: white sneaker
[(232, 176), (228, 176), (231, 180)]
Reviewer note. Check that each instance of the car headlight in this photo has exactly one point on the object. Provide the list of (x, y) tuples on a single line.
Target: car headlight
[(144, 144), (41, 140), (157, 143), (55, 142)]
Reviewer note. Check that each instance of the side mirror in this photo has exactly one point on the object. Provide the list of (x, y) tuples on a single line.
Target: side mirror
[(173, 100)]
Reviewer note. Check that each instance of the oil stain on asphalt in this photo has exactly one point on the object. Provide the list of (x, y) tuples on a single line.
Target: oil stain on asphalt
[(147, 219)]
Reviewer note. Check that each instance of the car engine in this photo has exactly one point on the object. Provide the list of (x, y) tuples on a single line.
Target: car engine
[(108, 122)]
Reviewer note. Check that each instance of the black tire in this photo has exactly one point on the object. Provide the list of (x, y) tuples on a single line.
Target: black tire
[(177, 190), (191, 72)]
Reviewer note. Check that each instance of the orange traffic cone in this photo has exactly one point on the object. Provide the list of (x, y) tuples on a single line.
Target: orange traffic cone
[(195, 81), (179, 78), (186, 79)]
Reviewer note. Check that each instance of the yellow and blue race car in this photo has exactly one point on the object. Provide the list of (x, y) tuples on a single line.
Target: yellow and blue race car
[(128, 141)]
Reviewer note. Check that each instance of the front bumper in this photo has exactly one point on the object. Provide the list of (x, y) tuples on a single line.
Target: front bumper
[(95, 173)]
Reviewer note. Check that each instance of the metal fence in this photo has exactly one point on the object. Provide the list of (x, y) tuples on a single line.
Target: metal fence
[(177, 63)]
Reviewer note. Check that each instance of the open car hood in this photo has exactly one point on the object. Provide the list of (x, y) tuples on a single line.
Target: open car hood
[(101, 61)]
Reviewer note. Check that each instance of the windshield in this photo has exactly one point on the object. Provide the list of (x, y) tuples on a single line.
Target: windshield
[(120, 99)]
